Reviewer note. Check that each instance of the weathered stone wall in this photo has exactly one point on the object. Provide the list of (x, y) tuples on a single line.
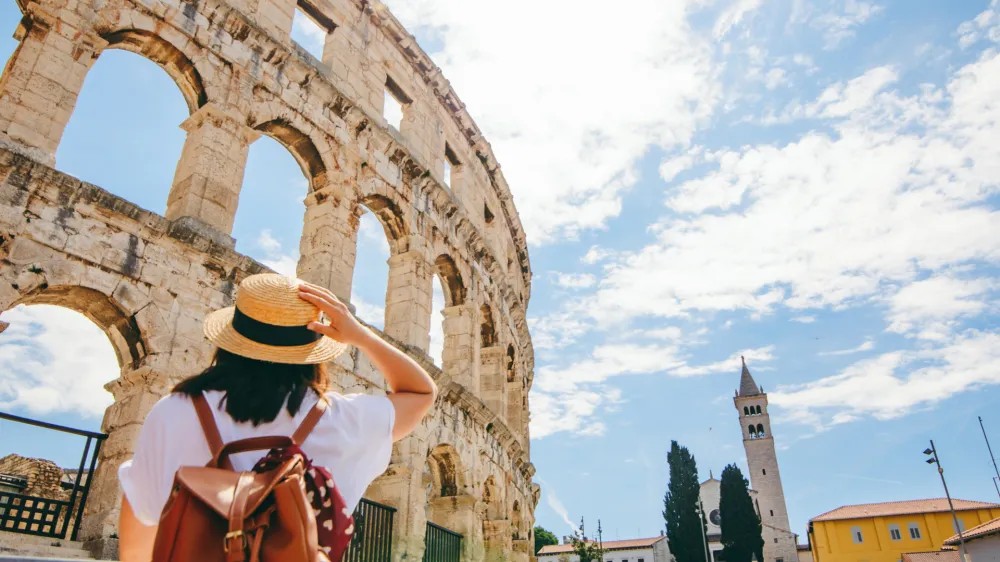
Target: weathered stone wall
[(42, 476), (148, 280)]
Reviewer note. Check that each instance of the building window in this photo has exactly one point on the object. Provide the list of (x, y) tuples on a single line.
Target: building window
[(764, 471), (760, 430), (487, 214), (772, 513), (746, 411), (779, 560), (960, 527), (641, 560), (894, 533), (450, 162), (758, 410), (914, 531), (395, 102), (775, 540), (856, 535)]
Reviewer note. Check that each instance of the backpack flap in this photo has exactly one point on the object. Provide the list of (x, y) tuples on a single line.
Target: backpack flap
[(216, 487)]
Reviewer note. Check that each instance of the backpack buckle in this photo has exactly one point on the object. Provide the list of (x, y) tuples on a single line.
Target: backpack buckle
[(232, 535)]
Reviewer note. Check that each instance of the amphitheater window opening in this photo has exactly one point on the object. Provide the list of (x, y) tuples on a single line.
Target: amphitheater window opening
[(268, 226), (441, 472), (451, 164), (370, 281), (395, 104), (310, 29), (436, 348), (510, 364), (55, 362), (124, 134), (487, 330), (487, 214)]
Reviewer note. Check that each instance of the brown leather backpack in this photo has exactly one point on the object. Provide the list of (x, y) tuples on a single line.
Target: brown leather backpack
[(214, 514)]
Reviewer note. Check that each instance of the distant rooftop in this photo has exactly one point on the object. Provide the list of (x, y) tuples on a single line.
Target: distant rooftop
[(900, 508), (608, 545), (979, 532)]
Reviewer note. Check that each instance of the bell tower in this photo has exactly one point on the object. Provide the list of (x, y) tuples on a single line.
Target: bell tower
[(765, 478)]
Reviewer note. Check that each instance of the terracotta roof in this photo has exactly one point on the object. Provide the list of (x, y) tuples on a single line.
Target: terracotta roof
[(608, 545), (979, 532), (747, 385), (934, 556), (801, 547), (900, 508)]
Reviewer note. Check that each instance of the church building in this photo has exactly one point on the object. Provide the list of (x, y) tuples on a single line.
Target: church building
[(765, 479)]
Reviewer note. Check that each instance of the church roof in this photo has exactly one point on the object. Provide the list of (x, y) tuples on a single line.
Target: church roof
[(886, 509), (747, 385)]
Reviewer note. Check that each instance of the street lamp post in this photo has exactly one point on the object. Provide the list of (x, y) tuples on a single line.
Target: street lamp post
[(701, 525), (932, 452)]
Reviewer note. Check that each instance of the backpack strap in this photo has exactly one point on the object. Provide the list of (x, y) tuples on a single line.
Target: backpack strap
[(312, 418), (209, 427)]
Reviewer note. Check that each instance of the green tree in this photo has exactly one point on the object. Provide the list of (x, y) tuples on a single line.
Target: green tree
[(543, 538), (685, 528), (588, 550), (741, 527)]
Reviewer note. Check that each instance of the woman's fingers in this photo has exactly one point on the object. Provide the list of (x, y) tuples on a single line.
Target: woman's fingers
[(320, 291)]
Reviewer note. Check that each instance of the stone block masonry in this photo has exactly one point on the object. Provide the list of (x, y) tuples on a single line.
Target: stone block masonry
[(148, 281)]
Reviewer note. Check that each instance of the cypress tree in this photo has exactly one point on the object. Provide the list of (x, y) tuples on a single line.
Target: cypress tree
[(685, 528), (741, 526)]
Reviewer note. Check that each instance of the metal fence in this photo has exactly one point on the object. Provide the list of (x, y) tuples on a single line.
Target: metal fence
[(372, 540), (441, 545), (31, 515)]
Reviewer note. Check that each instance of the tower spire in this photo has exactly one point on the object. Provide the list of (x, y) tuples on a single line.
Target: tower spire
[(747, 385)]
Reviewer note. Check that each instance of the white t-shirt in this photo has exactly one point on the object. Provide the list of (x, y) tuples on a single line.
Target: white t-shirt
[(353, 441)]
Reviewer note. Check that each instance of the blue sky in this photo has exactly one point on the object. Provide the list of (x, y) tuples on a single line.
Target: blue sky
[(810, 183)]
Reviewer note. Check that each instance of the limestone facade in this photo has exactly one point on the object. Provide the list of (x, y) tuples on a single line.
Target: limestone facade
[(148, 280)]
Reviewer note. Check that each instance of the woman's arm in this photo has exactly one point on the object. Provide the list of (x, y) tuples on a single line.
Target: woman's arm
[(135, 540), (413, 390)]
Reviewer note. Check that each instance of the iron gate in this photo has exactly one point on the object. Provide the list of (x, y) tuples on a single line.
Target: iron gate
[(372, 540), (31, 515), (441, 545)]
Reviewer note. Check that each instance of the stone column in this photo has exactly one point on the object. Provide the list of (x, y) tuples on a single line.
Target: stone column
[(408, 298), (497, 540), (492, 380), (41, 82), (460, 357), (135, 392), (458, 513), (401, 486), (329, 242)]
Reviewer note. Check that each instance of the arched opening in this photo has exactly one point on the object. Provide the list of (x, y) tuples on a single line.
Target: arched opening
[(437, 335), (516, 523), (442, 475), (752, 431), (124, 134), (268, 226), (378, 230), (510, 364), (758, 410), (451, 279), (760, 430), (448, 290), (746, 411), (487, 330)]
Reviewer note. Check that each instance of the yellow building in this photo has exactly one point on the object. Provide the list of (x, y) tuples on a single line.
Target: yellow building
[(883, 532)]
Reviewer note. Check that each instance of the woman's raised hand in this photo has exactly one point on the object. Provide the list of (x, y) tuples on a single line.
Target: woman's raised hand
[(343, 326)]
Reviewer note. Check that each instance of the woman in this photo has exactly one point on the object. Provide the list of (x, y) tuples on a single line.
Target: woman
[(267, 374)]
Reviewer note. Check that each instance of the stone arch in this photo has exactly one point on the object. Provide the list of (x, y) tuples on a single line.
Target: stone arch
[(510, 363), (302, 148), (752, 431), (451, 280), (179, 66), (746, 411), (391, 215), (487, 329), (121, 328), (758, 410), (445, 472), (760, 430), (516, 521)]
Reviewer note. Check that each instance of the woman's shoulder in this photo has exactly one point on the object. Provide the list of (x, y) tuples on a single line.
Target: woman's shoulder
[(357, 404)]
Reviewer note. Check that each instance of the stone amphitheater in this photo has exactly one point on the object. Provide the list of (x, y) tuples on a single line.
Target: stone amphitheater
[(148, 280)]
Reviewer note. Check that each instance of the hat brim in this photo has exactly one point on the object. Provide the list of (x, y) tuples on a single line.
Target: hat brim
[(219, 330)]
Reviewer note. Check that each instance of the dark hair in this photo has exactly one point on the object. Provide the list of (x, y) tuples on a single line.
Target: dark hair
[(254, 390)]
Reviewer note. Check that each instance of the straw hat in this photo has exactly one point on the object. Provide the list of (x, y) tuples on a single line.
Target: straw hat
[(269, 322)]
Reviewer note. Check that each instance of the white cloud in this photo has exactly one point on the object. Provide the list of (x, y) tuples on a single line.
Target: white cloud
[(867, 345), (55, 360), (595, 255), (840, 24), (277, 259), (985, 26), (804, 319), (556, 505), (931, 307), (308, 33), (775, 78), (733, 15), (370, 231), (568, 152), (575, 280), (373, 314), (895, 383), (267, 242)]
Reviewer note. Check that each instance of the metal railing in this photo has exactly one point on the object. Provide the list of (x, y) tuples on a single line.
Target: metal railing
[(372, 540), (31, 515), (441, 545)]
